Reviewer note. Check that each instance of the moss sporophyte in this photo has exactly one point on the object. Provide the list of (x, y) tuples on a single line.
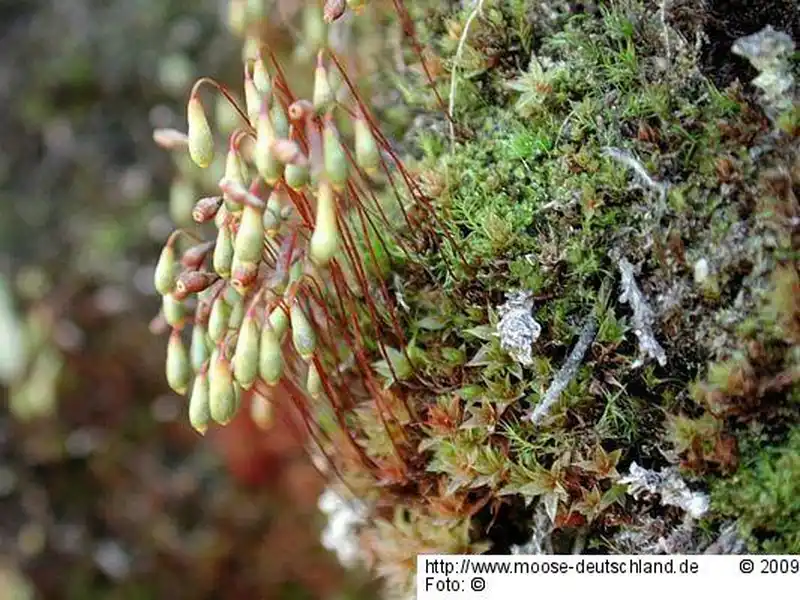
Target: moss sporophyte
[(285, 301), (640, 222)]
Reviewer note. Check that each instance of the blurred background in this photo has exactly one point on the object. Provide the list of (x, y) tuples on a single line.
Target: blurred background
[(105, 491)]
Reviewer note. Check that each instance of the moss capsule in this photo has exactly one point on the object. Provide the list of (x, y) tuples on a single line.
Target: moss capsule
[(235, 174), (322, 97), (199, 407), (199, 351), (236, 303), (218, 320), (335, 159), (267, 164), (279, 321), (222, 396), (280, 122), (166, 270), (206, 209), (261, 411), (245, 358), (304, 338), (243, 275), (174, 311), (178, 367), (200, 138), (296, 176), (368, 156), (249, 242), (261, 78), (252, 98), (223, 252), (270, 356), (325, 239), (314, 385)]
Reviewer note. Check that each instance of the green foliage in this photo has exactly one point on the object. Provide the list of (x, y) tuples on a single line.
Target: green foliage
[(764, 495)]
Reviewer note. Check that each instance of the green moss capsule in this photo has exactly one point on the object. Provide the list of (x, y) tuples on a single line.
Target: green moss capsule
[(199, 351), (252, 98), (368, 155), (218, 320), (236, 303), (304, 338), (280, 122), (249, 241), (314, 385), (235, 173), (323, 96), (222, 396), (261, 412), (267, 164), (166, 270), (174, 311), (243, 275), (222, 260), (200, 138), (325, 239), (245, 358), (261, 78), (270, 356), (296, 176), (335, 158), (178, 367), (199, 406), (279, 321)]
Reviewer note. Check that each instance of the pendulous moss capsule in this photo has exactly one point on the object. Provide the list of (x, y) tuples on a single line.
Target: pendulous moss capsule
[(270, 356), (166, 269), (199, 406), (222, 396), (304, 338), (223, 252), (200, 138), (325, 239), (335, 159), (218, 320), (178, 367), (245, 357), (199, 351)]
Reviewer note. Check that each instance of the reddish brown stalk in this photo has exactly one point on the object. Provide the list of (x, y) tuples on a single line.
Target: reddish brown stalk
[(408, 28), (281, 390), (280, 78), (302, 205), (225, 92), (301, 405), (410, 184), (390, 305), (359, 346)]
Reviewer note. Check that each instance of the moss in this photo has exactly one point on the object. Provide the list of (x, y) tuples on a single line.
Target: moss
[(764, 495), (536, 201)]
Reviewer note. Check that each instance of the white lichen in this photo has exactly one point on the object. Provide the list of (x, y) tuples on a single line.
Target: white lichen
[(669, 485), (642, 176), (340, 533), (643, 316), (770, 52), (517, 329), (566, 374)]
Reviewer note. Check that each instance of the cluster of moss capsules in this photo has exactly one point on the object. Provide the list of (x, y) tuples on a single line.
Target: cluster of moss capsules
[(253, 294)]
